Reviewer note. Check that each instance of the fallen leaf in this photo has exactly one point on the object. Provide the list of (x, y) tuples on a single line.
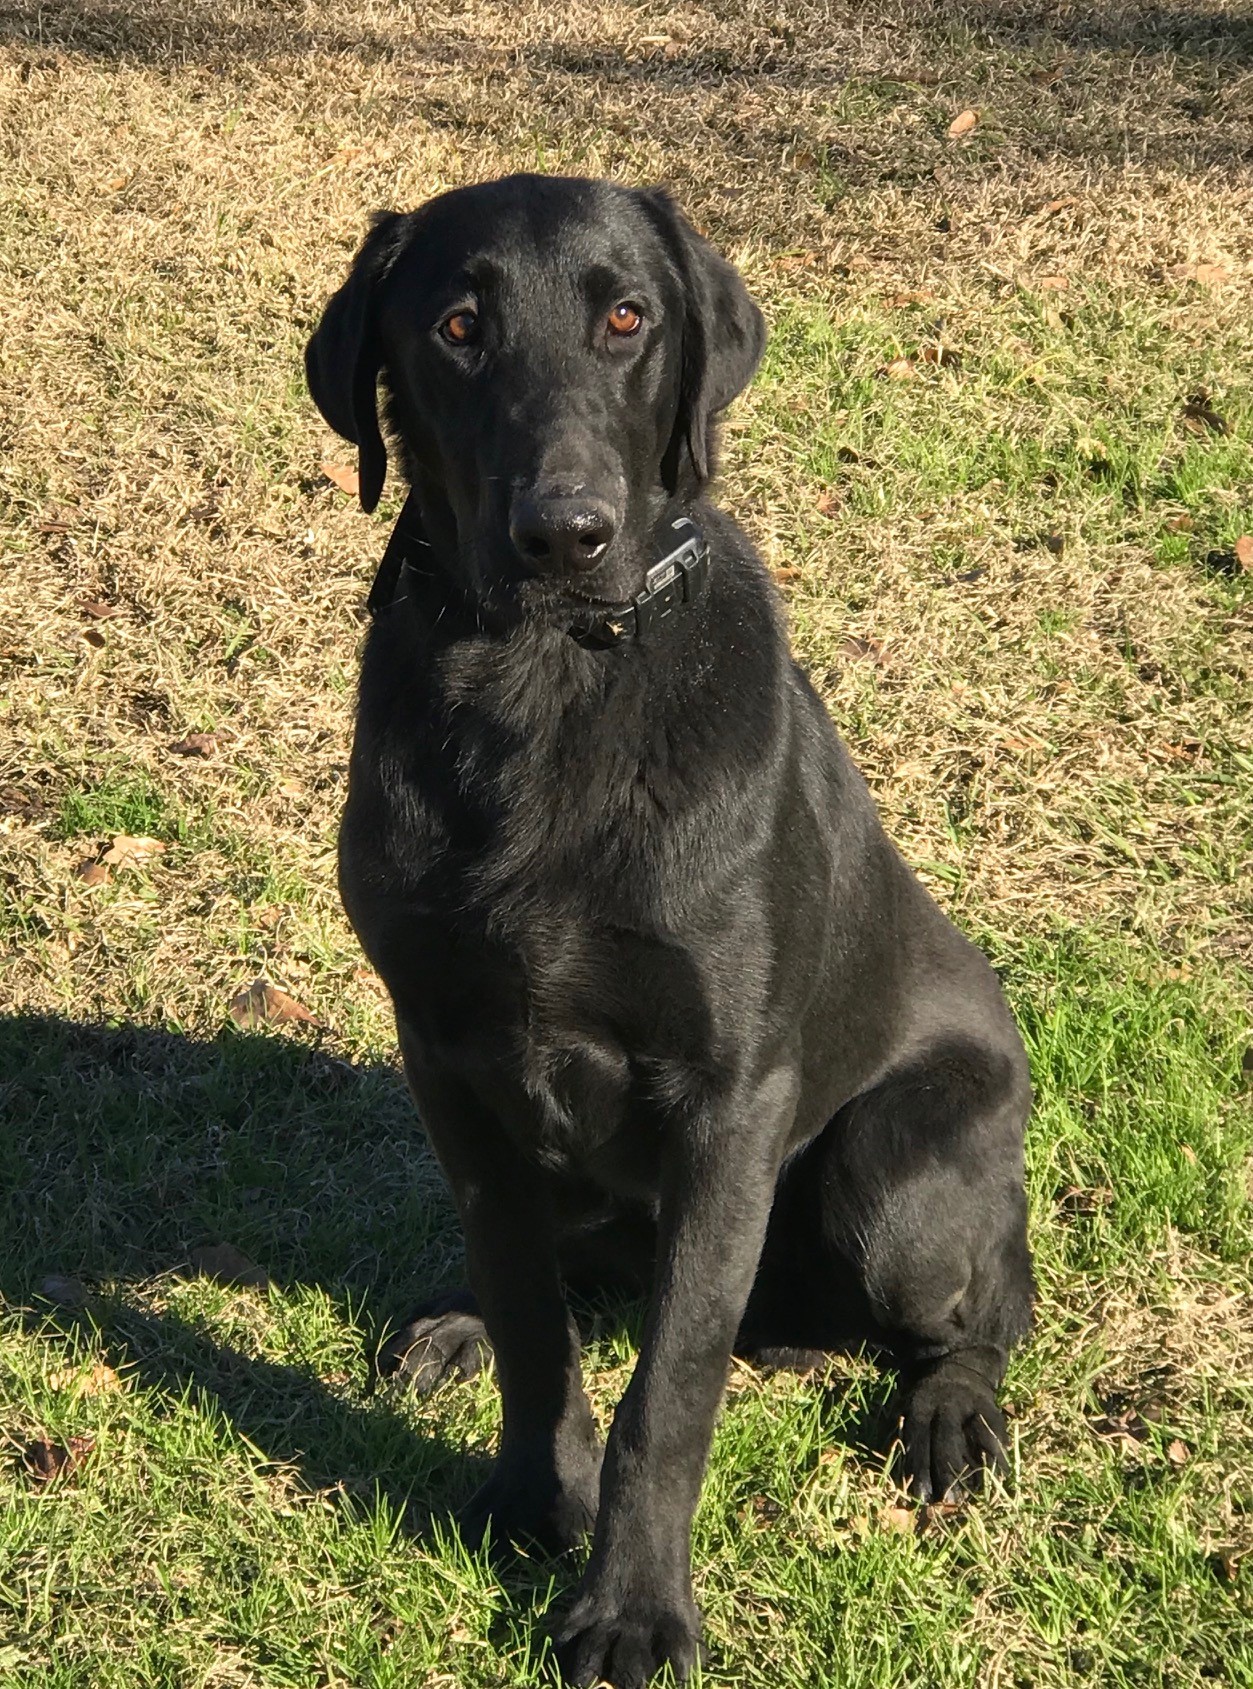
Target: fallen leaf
[(96, 1380), (1243, 549), (962, 124), (1205, 275), (64, 1291), (828, 503), (1056, 205), (128, 852), (1127, 1428), (1178, 524), (195, 745), (46, 1460), (1186, 1150), (92, 873), (796, 261), (93, 636), (786, 576), (115, 184), (901, 1521), (225, 1264), (900, 369), (99, 609), (1178, 1454), (1053, 284), (53, 526), (344, 478), (261, 1003), (857, 648)]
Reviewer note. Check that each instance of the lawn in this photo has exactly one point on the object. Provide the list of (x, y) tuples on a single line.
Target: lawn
[(1000, 457)]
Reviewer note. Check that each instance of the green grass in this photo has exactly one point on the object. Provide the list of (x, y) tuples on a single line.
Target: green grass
[(267, 1514), (129, 804), (1036, 413)]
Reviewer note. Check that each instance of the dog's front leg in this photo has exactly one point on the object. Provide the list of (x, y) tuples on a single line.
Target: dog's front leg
[(544, 1485), (634, 1611)]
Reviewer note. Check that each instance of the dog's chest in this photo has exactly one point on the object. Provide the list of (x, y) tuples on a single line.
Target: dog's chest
[(604, 1032), (576, 1036)]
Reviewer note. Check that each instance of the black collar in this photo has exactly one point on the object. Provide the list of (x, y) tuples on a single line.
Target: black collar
[(677, 578)]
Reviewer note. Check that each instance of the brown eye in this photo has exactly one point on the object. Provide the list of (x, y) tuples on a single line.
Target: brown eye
[(625, 319), (460, 328)]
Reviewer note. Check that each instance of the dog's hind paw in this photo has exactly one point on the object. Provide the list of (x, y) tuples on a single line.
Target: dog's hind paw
[(442, 1339), (952, 1433)]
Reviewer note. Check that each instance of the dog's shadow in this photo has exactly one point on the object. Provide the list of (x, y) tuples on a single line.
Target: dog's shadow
[(130, 1149)]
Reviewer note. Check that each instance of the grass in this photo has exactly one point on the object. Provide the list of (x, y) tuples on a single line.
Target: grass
[(1008, 567)]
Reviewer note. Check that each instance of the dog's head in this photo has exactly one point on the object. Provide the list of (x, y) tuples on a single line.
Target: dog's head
[(554, 352)]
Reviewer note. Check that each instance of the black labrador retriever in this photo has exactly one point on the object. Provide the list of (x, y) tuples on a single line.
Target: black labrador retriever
[(673, 1010)]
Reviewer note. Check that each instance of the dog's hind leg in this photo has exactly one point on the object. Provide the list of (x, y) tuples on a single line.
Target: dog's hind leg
[(601, 1252), (905, 1223), (922, 1192), (443, 1338)]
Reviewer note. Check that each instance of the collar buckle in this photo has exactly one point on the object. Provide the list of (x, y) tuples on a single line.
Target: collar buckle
[(676, 579)]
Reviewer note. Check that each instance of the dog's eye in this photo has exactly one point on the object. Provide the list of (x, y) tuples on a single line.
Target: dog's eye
[(460, 328), (625, 319)]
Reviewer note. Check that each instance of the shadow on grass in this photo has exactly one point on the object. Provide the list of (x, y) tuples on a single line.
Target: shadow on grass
[(141, 32), (127, 1149), (130, 1148), (475, 88)]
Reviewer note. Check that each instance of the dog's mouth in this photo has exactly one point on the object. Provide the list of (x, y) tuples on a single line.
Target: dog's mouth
[(611, 583)]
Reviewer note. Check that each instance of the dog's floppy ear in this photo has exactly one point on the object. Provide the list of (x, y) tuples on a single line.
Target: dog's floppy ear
[(724, 335), (343, 359)]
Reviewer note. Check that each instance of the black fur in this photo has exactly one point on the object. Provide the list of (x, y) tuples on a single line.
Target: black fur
[(673, 1010)]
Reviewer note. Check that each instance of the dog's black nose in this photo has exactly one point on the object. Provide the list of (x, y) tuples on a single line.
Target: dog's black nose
[(561, 533)]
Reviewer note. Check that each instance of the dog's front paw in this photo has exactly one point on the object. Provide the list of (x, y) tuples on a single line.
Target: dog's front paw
[(526, 1502), (442, 1340), (952, 1431), (626, 1638)]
